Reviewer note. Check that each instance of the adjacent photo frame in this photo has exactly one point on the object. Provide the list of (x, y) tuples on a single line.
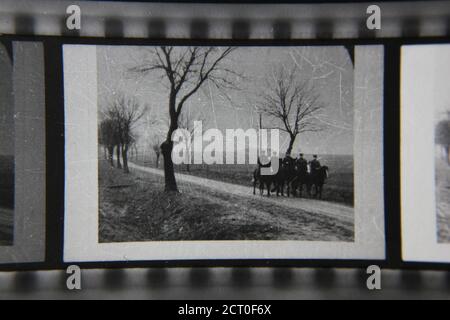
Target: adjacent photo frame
[(22, 152), (122, 102), (425, 134)]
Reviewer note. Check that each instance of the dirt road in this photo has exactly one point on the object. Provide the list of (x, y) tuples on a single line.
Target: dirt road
[(334, 210)]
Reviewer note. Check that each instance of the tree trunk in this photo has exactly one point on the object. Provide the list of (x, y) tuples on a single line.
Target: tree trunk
[(169, 173), (119, 166), (111, 155), (167, 146), (125, 159), (291, 145)]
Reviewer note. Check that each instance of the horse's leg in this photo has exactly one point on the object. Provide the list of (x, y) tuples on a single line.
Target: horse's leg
[(268, 188), (294, 188)]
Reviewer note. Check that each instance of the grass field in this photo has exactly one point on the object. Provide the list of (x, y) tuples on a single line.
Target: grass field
[(338, 188), (134, 207), (443, 200), (6, 199)]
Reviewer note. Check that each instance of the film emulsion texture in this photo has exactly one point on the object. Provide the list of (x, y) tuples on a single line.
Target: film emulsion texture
[(148, 94), (6, 147)]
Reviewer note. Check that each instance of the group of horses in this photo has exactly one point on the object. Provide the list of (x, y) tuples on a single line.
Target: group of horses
[(292, 177)]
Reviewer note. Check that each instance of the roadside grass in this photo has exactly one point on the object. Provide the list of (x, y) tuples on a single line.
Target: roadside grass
[(134, 207), (6, 200), (443, 200), (6, 226)]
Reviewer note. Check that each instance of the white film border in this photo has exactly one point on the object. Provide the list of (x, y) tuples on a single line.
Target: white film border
[(81, 240)]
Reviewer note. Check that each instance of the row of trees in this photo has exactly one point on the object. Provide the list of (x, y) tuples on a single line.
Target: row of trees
[(116, 130)]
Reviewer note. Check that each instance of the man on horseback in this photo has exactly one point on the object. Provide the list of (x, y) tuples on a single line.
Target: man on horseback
[(301, 163), (288, 162), (314, 164)]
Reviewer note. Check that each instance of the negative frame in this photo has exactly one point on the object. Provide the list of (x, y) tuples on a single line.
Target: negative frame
[(81, 236)]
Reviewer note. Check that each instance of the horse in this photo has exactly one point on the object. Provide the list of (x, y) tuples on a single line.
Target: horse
[(302, 178), (264, 180), (293, 177), (317, 179), (277, 180)]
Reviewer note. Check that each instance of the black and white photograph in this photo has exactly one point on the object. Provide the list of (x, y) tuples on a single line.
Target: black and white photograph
[(304, 93), (22, 152), (425, 150), (221, 145), (6, 148), (442, 140)]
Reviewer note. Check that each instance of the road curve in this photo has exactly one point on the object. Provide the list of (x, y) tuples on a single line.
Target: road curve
[(330, 209)]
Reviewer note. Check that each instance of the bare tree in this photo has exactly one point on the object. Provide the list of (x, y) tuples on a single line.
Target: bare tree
[(185, 70), (292, 101), (107, 138), (442, 136), (124, 112)]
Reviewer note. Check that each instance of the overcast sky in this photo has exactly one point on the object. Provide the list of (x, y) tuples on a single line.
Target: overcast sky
[(428, 64), (6, 105), (329, 68)]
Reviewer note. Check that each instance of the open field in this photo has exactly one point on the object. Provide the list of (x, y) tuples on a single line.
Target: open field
[(338, 188), (443, 200), (6, 199), (134, 207)]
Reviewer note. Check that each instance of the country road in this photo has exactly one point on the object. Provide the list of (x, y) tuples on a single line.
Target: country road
[(337, 211)]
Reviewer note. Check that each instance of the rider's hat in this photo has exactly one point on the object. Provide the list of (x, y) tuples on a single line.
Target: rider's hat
[(315, 156)]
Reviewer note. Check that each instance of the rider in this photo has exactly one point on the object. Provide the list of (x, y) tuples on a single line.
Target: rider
[(288, 161), (315, 164), (301, 163)]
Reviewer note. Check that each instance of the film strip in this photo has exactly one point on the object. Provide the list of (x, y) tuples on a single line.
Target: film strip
[(227, 21), (300, 25)]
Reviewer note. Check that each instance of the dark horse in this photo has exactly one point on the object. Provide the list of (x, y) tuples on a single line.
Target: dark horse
[(309, 180), (284, 176), (317, 179), (264, 180)]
